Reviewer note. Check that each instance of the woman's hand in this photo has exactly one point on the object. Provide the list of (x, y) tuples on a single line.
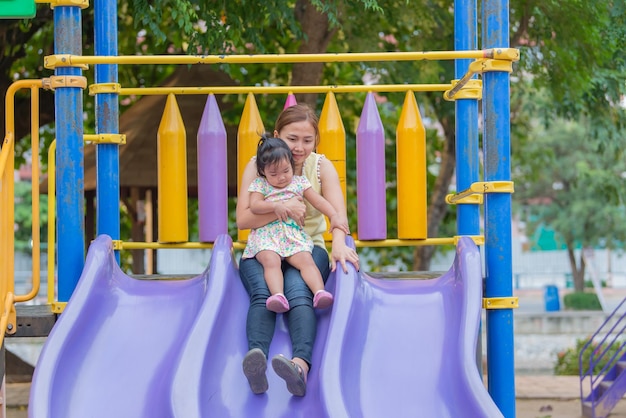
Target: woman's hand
[(341, 253), (297, 209)]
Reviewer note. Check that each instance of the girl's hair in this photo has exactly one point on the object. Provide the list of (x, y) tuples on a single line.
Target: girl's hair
[(270, 151), (298, 113)]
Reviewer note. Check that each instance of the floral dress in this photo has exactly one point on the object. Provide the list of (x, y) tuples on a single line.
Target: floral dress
[(284, 238)]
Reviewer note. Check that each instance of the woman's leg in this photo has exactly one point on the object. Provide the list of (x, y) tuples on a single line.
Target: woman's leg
[(261, 322), (301, 318)]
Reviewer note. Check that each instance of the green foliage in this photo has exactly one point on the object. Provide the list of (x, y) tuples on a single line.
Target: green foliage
[(207, 27), (567, 362), (24, 216), (582, 301)]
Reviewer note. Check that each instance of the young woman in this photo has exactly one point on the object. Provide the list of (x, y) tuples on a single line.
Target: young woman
[(284, 239), (298, 127)]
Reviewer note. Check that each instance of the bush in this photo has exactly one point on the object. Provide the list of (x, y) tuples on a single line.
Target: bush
[(582, 301), (567, 361)]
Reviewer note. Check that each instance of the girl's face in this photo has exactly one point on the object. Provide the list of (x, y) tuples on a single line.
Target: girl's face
[(300, 137), (279, 174)]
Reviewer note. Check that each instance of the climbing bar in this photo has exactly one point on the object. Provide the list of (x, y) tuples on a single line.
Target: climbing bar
[(105, 138), (510, 302), (83, 4), (104, 88), (68, 60), (479, 188), (282, 89)]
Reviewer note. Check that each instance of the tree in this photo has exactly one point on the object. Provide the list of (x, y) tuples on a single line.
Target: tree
[(568, 184), (571, 49)]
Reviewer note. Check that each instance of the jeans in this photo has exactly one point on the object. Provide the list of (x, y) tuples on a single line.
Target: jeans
[(301, 319)]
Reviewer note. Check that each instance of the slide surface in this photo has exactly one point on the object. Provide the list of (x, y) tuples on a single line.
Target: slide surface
[(388, 347)]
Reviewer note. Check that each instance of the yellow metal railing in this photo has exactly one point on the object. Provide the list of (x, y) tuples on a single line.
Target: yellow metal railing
[(483, 62), (7, 210), (67, 60)]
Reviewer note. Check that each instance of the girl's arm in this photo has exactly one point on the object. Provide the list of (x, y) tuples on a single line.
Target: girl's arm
[(324, 206), (331, 191), (248, 220), (260, 206)]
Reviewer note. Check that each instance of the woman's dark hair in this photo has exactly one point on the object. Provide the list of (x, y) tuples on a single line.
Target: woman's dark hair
[(298, 113), (270, 151)]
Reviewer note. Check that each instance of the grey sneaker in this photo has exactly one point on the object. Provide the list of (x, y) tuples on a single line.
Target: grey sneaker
[(254, 367)]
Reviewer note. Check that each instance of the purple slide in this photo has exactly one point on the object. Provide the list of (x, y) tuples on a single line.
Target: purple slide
[(147, 348), (405, 346)]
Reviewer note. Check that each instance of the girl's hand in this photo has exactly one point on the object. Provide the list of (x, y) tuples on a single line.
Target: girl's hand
[(282, 212), (339, 222), (297, 209), (341, 253)]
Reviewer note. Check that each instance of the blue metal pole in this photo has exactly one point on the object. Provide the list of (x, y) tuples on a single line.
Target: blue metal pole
[(467, 156), (497, 151), (68, 102), (107, 122)]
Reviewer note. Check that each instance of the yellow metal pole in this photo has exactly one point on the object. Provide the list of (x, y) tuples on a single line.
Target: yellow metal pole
[(149, 208), (248, 135), (67, 60), (52, 214), (34, 146), (411, 172), (172, 174), (333, 142), (379, 88)]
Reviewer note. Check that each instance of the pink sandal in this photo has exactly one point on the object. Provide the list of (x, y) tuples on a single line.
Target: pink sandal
[(277, 303), (322, 299)]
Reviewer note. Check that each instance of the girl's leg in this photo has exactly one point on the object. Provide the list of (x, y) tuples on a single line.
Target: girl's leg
[(303, 261), (272, 270)]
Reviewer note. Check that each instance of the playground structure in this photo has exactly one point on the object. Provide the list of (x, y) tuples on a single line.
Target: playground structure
[(79, 353)]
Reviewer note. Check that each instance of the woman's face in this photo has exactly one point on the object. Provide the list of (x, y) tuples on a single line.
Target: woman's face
[(300, 137)]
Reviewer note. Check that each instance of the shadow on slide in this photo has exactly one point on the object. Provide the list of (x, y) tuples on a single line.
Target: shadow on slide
[(173, 348)]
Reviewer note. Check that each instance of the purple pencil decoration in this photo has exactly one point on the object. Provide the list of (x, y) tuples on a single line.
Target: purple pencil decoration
[(212, 173)]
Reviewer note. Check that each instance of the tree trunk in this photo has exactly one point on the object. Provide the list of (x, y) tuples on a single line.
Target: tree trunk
[(316, 27), (578, 274), (438, 207)]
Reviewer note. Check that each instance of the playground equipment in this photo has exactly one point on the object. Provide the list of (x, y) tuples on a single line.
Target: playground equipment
[(195, 342)]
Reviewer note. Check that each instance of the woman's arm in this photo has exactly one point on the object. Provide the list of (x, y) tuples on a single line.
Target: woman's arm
[(248, 220), (331, 191)]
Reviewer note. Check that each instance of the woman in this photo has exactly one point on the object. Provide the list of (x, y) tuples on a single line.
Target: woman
[(298, 127)]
